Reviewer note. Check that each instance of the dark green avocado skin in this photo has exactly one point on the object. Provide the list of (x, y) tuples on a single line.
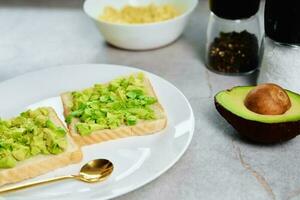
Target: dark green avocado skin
[(260, 132)]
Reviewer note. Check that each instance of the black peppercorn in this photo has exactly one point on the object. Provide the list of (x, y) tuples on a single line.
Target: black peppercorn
[(234, 52)]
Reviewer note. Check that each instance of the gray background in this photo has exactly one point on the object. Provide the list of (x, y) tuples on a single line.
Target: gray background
[(36, 34)]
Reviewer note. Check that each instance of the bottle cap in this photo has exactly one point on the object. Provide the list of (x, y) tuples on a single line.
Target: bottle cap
[(234, 9), (282, 21)]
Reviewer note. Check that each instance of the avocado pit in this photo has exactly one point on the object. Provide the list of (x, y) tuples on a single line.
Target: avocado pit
[(268, 99)]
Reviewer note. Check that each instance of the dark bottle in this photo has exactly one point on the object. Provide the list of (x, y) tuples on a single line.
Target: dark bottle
[(282, 21), (233, 36)]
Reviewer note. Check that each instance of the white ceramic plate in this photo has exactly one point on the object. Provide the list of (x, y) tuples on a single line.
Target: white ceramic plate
[(137, 160)]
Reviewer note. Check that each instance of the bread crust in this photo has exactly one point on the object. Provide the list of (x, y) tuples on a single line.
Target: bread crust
[(42, 164), (140, 129)]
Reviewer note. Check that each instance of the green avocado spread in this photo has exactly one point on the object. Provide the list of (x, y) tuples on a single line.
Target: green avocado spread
[(123, 101), (30, 134)]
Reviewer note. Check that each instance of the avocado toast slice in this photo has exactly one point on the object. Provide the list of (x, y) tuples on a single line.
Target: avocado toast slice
[(124, 107), (34, 143)]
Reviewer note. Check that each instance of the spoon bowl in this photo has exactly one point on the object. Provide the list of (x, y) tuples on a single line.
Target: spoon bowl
[(96, 170)]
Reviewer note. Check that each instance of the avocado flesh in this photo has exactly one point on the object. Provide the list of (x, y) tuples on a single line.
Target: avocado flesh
[(233, 101), (30, 134), (258, 128), (123, 101)]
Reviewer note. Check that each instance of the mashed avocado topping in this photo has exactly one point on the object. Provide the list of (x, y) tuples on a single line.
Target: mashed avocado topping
[(29, 134), (123, 101)]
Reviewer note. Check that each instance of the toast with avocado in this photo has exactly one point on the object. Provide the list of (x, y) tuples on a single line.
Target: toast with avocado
[(124, 107), (33, 143)]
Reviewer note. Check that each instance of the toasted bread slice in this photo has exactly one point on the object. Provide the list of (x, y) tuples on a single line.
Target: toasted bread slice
[(144, 127), (42, 164)]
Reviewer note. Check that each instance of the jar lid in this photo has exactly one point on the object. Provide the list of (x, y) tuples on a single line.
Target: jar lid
[(282, 21), (234, 9)]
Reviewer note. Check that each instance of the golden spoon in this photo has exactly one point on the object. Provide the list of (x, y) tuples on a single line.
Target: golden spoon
[(93, 171)]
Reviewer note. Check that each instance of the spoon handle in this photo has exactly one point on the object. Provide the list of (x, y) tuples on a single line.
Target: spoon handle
[(27, 185)]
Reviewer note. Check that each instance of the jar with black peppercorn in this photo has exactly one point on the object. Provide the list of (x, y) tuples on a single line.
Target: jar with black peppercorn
[(233, 36)]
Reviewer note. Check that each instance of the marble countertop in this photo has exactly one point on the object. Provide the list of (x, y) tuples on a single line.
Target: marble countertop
[(36, 34)]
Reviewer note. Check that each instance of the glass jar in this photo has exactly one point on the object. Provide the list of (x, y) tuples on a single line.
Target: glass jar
[(233, 40), (280, 64), (281, 57)]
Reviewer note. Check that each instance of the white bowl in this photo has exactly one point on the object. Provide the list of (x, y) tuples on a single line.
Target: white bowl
[(140, 36)]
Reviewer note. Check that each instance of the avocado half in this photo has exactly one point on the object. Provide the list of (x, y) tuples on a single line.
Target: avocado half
[(257, 127)]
